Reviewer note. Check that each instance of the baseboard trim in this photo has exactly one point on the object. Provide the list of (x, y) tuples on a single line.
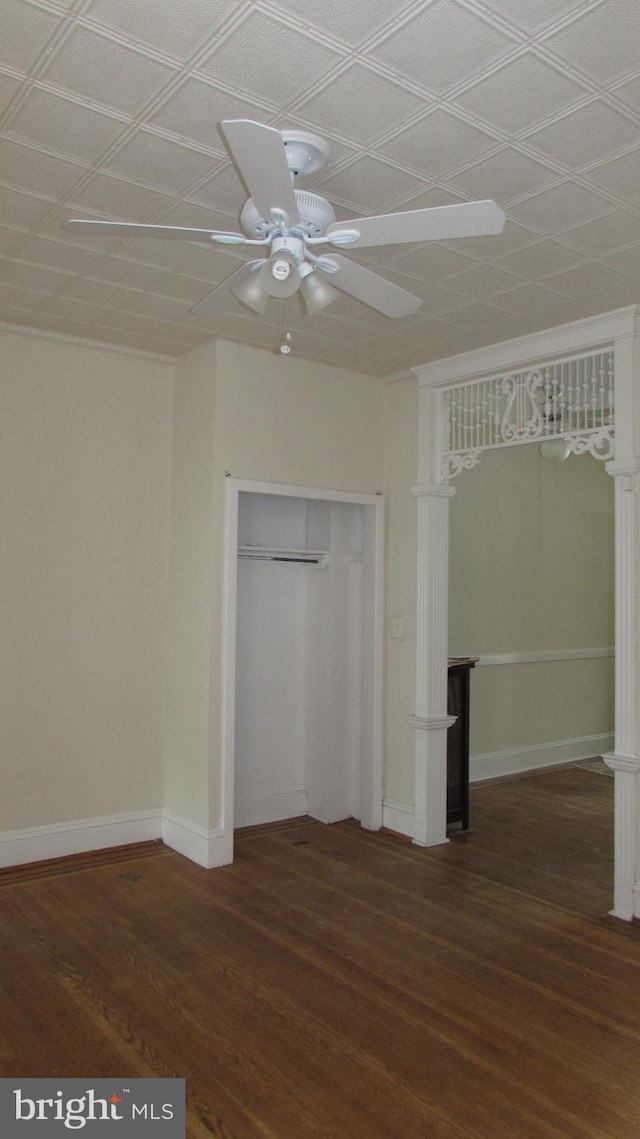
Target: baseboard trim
[(36, 844), (209, 848), (514, 760), (269, 809), (397, 817)]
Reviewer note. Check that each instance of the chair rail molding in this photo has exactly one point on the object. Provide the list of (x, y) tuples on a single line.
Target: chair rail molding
[(543, 656), (616, 335)]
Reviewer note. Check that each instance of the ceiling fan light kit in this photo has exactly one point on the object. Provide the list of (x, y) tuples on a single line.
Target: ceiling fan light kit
[(279, 275), (316, 292), (289, 223), (251, 293)]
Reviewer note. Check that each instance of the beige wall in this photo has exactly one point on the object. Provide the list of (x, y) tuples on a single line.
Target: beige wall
[(531, 569), (107, 474), (84, 471), (186, 775), (286, 420), (111, 664), (274, 419)]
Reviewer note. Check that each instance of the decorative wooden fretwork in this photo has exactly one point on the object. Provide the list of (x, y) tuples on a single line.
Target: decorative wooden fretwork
[(569, 399)]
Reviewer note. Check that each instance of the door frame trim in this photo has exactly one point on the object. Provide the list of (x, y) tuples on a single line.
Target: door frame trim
[(373, 698), (620, 330)]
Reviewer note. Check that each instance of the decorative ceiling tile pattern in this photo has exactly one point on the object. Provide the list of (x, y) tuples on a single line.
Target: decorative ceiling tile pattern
[(111, 110)]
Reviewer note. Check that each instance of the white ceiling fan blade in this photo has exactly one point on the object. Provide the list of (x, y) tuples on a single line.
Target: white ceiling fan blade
[(469, 219), (371, 289), (218, 299), (132, 229), (261, 157)]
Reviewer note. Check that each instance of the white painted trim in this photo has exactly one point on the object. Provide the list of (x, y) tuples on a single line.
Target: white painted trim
[(208, 848), (249, 486), (629, 764), (80, 836), (431, 719), (441, 489), (398, 817), (35, 844), (85, 342), (581, 334), (269, 808), (490, 659), (626, 614), (514, 760), (621, 467), (618, 329), (626, 769), (625, 762), (431, 723)]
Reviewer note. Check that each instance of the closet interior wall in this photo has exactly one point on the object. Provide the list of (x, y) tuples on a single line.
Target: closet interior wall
[(299, 662)]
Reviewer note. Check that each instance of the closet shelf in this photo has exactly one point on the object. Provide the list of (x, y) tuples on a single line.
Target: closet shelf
[(276, 554)]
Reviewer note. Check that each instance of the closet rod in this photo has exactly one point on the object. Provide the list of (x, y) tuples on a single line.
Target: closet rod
[(310, 559)]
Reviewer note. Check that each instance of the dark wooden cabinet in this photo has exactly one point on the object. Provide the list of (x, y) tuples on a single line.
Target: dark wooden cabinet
[(458, 740)]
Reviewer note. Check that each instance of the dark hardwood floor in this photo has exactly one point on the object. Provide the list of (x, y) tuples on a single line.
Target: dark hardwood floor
[(548, 833), (337, 984)]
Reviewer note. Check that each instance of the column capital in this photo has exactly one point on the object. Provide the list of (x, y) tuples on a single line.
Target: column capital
[(433, 490), (623, 468), (431, 723)]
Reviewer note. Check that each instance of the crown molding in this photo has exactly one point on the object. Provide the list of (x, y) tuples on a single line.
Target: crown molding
[(401, 377), (84, 342), (589, 333)]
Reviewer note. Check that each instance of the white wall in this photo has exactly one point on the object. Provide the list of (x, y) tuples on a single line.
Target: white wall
[(299, 664), (85, 439), (270, 770), (334, 673)]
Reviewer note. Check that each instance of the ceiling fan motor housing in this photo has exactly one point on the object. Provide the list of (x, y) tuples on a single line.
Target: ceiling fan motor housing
[(316, 214)]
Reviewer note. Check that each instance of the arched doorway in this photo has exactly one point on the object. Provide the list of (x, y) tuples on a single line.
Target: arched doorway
[(477, 423)]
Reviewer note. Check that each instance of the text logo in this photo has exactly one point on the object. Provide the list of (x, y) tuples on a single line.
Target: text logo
[(113, 1109)]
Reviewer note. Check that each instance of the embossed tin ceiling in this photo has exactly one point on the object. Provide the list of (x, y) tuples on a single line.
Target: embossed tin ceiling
[(109, 109)]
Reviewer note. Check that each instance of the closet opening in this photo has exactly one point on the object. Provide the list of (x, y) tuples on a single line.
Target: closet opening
[(303, 656)]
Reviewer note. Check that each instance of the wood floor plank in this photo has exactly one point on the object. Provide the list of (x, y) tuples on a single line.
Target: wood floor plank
[(442, 976), (334, 983)]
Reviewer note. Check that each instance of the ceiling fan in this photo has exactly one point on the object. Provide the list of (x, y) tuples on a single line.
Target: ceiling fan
[(290, 223)]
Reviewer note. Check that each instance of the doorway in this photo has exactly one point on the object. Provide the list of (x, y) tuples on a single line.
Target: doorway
[(616, 332), (303, 654), (534, 603)]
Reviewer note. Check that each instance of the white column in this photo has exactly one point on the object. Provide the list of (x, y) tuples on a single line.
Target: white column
[(431, 720), (626, 773), (625, 762)]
